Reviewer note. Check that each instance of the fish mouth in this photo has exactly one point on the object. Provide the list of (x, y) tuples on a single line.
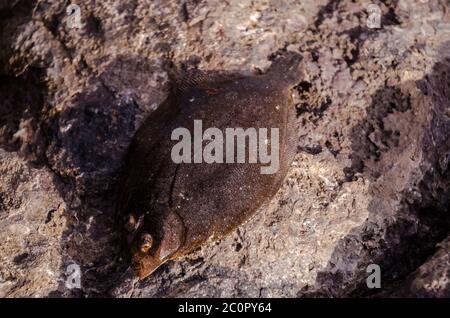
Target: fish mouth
[(145, 265)]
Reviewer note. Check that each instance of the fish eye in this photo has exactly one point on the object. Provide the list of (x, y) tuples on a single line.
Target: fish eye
[(130, 223), (146, 242)]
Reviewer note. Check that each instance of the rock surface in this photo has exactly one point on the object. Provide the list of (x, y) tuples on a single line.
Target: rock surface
[(370, 183)]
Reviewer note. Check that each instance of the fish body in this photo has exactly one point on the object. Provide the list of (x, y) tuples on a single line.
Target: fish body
[(168, 208)]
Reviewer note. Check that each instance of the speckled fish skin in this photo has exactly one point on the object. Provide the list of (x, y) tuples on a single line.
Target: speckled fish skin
[(170, 209)]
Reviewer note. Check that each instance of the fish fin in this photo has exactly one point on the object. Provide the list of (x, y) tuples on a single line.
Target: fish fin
[(183, 81), (286, 68), (173, 235)]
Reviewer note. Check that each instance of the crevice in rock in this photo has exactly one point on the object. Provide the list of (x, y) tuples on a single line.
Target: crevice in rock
[(398, 240)]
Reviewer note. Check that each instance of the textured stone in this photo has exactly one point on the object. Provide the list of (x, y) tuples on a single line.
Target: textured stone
[(369, 183)]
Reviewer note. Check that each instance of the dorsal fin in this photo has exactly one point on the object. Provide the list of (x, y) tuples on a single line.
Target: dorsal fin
[(183, 81), (285, 62), (286, 68)]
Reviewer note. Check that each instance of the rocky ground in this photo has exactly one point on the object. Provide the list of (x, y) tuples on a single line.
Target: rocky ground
[(370, 183)]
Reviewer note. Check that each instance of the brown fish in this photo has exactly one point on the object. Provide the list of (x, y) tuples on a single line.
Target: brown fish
[(169, 208)]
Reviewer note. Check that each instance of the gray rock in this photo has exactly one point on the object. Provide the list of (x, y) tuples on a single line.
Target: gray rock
[(369, 183)]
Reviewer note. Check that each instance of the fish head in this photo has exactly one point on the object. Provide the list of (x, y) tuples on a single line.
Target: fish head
[(152, 246)]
